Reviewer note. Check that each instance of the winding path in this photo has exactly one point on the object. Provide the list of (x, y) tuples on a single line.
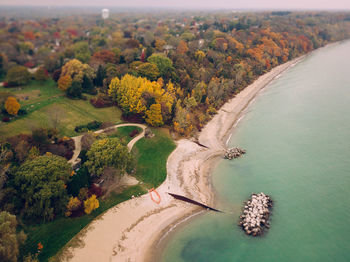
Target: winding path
[(77, 140)]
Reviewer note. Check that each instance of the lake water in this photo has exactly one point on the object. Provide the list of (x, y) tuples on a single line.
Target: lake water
[(297, 137)]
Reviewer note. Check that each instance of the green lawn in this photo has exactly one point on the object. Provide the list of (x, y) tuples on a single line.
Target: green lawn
[(151, 157), (45, 102), (123, 133), (56, 234)]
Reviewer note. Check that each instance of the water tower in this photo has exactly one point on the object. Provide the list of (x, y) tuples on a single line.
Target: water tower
[(105, 13)]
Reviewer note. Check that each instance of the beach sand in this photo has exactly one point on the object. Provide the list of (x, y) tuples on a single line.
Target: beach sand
[(131, 230)]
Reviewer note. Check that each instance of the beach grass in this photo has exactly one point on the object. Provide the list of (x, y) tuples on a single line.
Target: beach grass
[(56, 234), (151, 155)]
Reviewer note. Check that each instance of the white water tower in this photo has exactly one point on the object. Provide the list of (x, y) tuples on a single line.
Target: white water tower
[(105, 13)]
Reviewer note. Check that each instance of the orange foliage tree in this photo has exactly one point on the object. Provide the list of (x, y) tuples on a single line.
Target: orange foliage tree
[(64, 82), (12, 106)]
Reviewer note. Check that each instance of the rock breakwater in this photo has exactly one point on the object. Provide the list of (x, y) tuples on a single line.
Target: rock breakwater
[(234, 152), (256, 213)]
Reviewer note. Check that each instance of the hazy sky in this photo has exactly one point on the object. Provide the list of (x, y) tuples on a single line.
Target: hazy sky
[(275, 4)]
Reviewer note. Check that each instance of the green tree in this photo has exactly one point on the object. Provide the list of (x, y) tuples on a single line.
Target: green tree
[(88, 86), (75, 90), (108, 152), (148, 70), (18, 75), (9, 240), (82, 51), (100, 75), (164, 65), (41, 187)]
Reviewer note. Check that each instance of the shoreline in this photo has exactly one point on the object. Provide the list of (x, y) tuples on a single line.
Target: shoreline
[(131, 230)]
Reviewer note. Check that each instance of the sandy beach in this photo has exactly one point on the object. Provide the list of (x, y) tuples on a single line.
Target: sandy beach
[(131, 230)]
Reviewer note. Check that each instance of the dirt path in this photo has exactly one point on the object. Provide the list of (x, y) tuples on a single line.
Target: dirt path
[(77, 140)]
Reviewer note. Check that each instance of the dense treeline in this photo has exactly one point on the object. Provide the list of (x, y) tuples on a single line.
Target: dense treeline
[(207, 58)]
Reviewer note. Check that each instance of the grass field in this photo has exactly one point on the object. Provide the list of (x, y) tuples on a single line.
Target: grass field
[(151, 157), (45, 102), (123, 133)]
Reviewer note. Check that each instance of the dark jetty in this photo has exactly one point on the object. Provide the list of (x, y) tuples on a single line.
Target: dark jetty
[(256, 213), (188, 200)]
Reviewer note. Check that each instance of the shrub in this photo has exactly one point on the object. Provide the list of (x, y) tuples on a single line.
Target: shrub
[(22, 112), (134, 133), (91, 204), (5, 119), (56, 75), (90, 126), (18, 75), (73, 205), (101, 100)]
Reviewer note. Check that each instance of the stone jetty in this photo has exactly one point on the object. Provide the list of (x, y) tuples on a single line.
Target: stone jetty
[(256, 213), (234, 152)]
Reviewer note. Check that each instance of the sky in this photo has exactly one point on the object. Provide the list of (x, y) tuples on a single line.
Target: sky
[(202, 4)]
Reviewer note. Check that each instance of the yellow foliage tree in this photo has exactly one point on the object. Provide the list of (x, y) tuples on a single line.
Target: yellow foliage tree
[(91, 204), (64, 82), (12, 106), (154, 115), (137, 94), (76, 70), (73, 205), (199, 55)]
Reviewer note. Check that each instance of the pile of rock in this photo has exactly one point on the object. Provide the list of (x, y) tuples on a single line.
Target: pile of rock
[(256, 213), (234, 153)]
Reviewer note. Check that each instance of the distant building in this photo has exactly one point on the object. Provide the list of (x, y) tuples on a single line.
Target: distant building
[(105, 13)]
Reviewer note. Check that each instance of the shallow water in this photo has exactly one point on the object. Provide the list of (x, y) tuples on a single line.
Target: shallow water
[(297, 137)]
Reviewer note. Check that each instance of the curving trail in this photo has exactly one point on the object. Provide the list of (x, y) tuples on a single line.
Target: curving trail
[(77, 140)]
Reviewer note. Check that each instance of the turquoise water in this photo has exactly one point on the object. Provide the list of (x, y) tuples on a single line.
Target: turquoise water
[(297, 137)]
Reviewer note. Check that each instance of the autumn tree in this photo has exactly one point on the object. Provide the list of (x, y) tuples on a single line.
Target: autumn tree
[(182, 47), (12, 106), (40, 185), (91, 204), (108, 152), (64, 82), (154, 115), (136, 94), (17, 75), (9, 239), (76, 70), (104, 57)]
